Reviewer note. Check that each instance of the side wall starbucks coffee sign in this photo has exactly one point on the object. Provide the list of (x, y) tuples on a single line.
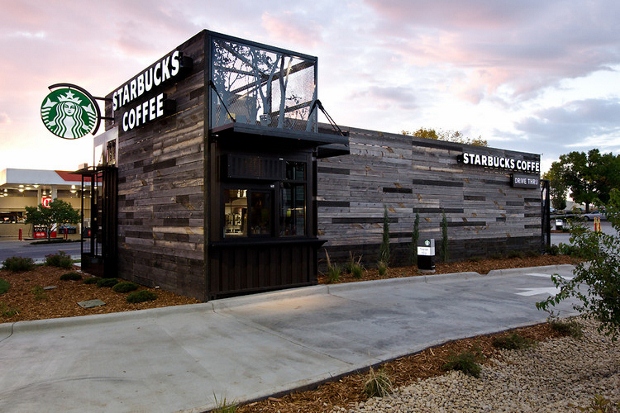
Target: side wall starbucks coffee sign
[(70, 112)]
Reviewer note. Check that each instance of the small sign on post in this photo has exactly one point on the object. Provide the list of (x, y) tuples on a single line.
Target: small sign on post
[(426, 254)]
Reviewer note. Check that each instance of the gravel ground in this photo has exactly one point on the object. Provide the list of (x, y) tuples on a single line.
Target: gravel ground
[(558, 375)]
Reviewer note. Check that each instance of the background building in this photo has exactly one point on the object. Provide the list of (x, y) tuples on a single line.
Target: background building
[(20, 188)]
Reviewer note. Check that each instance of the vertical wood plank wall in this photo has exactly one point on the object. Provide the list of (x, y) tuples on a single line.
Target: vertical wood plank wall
[(485, 215)]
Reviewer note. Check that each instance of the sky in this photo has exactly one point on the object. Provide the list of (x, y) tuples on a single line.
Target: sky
[(529, 75)]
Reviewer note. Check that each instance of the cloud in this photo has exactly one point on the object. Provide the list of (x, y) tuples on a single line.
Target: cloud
[(518, 73), (386, 97), (577, 125), (525, 46), (294, 27)]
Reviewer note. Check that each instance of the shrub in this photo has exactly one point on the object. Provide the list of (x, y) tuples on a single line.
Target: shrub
[(600, 404), (92, 280), (107, 282), (141, 296), (516, 254), (18, 264), (61, 260), (125, 287), (552, 250), (467, 362), (512, 341), (6, 311), (4, 286), (566, 328), (596, 279), (568, 249), (71, 276), (378, 384)]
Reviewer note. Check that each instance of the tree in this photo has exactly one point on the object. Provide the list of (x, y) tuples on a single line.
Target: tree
[(599, 273), (449, 136), (415, 236), (59, 212), (384, 249), (589, 177), (443, 252), (557, 186)]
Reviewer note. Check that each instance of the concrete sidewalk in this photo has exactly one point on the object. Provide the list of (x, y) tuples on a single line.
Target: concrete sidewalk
[(245, 348)]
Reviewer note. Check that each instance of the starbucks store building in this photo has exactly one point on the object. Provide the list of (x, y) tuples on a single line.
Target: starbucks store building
[(215, 178)]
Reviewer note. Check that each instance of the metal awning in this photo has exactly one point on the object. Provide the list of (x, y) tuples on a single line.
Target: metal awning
[(260, 136)]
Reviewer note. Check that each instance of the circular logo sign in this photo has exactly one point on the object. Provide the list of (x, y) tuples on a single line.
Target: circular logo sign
[(69, 113)]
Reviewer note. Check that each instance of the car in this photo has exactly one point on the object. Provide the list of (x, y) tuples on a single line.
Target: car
[(591, 215)]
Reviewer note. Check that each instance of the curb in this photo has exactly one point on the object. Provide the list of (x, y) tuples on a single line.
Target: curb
[(513, 271), (7, 329)]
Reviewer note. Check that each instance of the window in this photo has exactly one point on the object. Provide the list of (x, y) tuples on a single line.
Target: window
[(258, 211), (293, 200), (235, 212), (247, 212)]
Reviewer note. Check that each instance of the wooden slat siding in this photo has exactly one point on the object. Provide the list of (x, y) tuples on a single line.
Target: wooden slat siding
[(161, 190), (411, 175)]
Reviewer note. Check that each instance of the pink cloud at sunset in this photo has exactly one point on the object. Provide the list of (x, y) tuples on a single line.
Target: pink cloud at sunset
[(528, 75)]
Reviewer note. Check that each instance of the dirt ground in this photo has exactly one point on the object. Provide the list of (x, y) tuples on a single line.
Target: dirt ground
[(40, 294)]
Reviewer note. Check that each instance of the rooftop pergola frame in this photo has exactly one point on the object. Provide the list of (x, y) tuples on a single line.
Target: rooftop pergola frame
[(260, 85)]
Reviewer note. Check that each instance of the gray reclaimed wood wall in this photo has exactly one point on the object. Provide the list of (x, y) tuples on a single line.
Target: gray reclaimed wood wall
[(161, 197), (485, 215)]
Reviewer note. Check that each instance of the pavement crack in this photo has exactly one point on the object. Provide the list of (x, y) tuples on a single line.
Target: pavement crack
[(11, 334)]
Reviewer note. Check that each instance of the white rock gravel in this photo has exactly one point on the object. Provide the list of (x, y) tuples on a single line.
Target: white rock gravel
[(559, 375)]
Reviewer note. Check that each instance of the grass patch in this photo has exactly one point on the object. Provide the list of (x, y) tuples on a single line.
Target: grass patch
[(141, 296), (4, 286), (125, 287), (354, 266), (107, 282), (60, 260), (224, 406), (378, 384), (467, 362), (512, 341), (18, 264), (382, 268), (6, 311), (71, 276), (39, 293), (333, 270)]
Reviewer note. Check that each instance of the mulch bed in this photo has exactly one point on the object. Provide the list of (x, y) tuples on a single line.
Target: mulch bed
[(30, 303)]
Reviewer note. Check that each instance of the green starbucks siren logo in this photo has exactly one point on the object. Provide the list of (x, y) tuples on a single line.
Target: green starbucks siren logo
[(69, 113)]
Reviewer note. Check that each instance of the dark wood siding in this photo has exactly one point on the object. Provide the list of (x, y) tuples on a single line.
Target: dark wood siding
[(485, 214), (258, 267), (161, 197)]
